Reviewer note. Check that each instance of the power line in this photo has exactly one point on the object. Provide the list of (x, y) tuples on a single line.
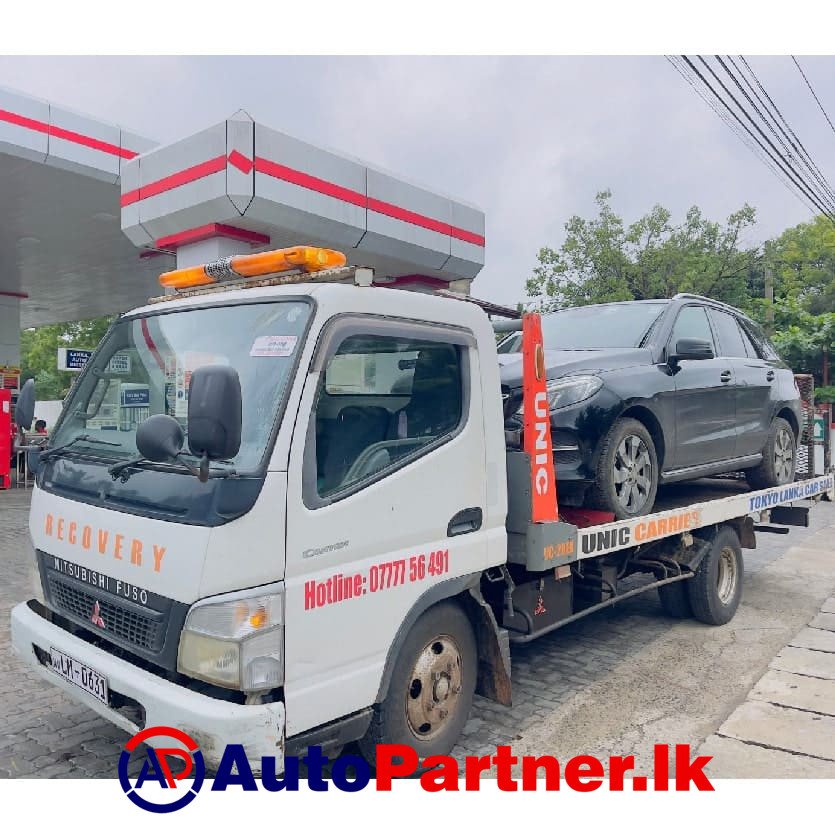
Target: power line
[(814, 94), (772, 108), (794, 175), (787, 169), (828, 197), (690, 78)]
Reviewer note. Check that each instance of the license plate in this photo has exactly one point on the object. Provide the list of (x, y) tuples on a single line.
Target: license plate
[(76, 672)]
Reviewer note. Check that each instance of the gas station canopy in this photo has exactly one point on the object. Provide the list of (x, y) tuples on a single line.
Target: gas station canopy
[(92, 213), (61, 249)]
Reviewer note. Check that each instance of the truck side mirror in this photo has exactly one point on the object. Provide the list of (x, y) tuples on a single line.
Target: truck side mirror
[(692, 349), (214, 412), (25, 409), (159, 438)]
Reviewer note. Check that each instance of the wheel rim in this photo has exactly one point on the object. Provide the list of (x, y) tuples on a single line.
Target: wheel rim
[(632, 473), (434, 688), (726, 576), (783, 455)]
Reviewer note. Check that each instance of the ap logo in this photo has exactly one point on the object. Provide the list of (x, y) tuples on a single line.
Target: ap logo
[(162, 769)]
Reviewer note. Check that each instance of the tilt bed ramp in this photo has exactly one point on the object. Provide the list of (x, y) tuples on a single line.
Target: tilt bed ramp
[(564, 563)]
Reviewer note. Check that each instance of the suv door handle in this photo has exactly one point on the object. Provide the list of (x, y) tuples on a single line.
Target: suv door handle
[(770, 376), (464, 521), (725, 376)]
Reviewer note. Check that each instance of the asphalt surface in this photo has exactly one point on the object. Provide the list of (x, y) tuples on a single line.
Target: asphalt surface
[(617, 681)]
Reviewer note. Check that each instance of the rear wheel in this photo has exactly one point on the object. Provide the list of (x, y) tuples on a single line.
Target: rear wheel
[(779, 458), (716, 589), (627, 471), (432, 686)]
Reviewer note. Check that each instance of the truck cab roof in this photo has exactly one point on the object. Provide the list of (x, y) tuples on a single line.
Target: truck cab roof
[(333, 298)]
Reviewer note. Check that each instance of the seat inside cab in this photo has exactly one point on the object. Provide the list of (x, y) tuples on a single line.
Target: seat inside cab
[(381, 399)]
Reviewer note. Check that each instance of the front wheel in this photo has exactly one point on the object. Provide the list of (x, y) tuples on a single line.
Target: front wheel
[(716, 589), (627, 471), (432, 686)]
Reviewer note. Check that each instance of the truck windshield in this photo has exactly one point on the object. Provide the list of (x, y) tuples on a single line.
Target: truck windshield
[(144, 366)]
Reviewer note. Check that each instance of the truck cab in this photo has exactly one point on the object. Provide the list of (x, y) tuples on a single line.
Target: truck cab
[(259, 583)]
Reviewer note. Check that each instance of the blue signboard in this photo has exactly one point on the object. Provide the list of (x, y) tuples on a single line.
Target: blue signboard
[(72, 359), (136, 397)]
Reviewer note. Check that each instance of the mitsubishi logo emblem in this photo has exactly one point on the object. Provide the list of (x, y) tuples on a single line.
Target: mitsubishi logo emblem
[(95, 617)]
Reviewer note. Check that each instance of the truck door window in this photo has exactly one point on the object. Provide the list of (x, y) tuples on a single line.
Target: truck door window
[(384, 401)]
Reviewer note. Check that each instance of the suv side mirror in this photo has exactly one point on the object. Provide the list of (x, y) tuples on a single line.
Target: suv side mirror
[(692, 349), (25, 409), (214, 412)]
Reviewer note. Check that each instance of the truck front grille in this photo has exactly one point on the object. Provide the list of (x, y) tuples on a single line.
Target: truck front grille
[(120, 620)]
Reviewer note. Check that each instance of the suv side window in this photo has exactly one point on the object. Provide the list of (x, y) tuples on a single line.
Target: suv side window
[(764, 348), (727, 334), (750, 350), (691, 323), (384, 401)]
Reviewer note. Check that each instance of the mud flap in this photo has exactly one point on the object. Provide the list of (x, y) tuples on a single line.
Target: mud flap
[(493, 680)]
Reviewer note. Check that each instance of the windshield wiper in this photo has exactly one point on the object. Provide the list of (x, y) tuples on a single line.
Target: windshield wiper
[(46, 454), (123, 470)]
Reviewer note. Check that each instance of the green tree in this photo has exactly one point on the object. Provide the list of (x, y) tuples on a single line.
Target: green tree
[(39, 353), (805, 265), (803, 259), (603, 259)]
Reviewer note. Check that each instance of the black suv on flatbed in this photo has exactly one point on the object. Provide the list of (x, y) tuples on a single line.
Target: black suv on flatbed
[(644, 393)]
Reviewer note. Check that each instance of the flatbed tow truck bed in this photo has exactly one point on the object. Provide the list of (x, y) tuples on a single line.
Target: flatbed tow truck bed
[(668, 545)]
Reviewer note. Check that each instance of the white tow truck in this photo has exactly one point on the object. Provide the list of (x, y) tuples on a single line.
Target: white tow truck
[(322, 534)]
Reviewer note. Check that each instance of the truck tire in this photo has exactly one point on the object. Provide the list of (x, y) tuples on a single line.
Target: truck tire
[(675, 600), (626, 480), (779, 458), (716, 589), (432, 686)]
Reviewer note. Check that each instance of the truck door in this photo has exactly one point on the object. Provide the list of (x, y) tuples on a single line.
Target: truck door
[(386, 491)]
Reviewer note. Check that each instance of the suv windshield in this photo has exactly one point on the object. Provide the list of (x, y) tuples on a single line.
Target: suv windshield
[(144, 366), (620, 325)]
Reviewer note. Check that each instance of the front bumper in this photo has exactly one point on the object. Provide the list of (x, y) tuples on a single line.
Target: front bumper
[(576, 433), (212, 723)]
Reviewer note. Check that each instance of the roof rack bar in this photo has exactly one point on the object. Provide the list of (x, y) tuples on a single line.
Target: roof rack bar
[(695, 297), (489, 307)]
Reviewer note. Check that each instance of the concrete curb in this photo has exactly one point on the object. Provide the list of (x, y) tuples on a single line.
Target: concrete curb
[(786, 726)]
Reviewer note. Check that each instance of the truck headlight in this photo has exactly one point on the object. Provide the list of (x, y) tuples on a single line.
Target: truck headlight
[(235, 641), (570, 390)]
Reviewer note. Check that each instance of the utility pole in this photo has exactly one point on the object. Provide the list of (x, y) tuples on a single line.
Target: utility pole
[(769, 291)]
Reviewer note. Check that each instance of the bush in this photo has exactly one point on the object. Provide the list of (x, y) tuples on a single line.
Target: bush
[(825, 394)]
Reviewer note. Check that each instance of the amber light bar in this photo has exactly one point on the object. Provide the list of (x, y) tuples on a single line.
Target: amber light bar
[(304, 258)]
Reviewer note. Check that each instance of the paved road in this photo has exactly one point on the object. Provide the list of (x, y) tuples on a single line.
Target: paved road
[(44, 733)]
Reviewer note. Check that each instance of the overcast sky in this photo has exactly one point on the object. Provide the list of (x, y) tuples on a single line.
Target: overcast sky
[(529, 140)]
